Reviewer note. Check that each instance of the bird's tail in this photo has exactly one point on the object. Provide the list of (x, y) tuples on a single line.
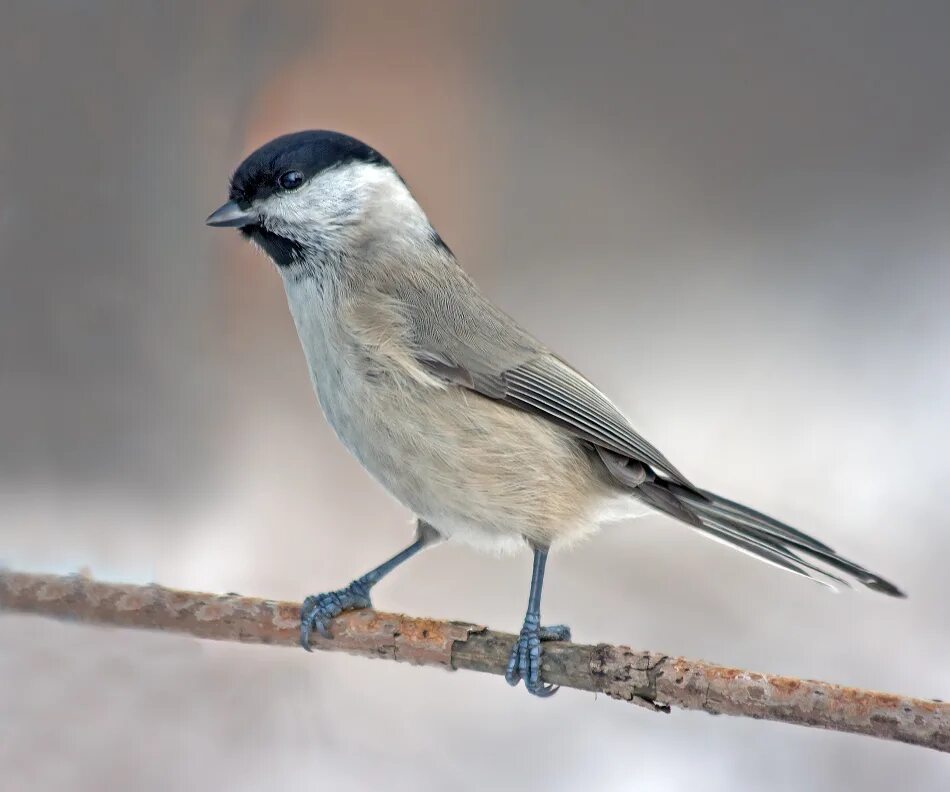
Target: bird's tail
[(757, 534)]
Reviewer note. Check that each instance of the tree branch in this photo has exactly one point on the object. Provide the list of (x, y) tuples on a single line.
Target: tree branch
[(653, 680)]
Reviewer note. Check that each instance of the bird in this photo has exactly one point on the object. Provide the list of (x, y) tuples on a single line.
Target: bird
[(487, 436)]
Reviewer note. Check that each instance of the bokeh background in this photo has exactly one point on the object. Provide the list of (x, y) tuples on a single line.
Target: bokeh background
[(733, 216)]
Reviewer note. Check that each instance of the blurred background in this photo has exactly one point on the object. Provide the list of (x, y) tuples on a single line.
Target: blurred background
[(732, 216)]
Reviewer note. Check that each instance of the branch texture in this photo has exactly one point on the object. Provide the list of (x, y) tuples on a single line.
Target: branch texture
[(650, 679)]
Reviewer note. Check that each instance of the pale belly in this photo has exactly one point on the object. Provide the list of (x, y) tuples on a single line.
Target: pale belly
[(479, 471)]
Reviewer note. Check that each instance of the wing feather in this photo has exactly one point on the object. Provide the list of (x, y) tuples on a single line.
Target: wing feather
[(548, 387), (569, 397)]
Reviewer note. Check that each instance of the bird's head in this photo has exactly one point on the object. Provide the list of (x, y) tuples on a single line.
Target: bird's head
[(310, 196)]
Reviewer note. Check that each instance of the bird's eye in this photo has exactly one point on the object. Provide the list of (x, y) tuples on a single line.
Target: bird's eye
[(290, 180)]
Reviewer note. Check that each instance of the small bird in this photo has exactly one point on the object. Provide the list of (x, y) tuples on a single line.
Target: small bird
[(486, 435)]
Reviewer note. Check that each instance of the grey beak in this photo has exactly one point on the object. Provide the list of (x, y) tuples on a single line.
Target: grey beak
[(233, 216)]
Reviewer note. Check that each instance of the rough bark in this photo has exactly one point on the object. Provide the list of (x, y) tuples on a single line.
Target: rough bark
[(650, 679)]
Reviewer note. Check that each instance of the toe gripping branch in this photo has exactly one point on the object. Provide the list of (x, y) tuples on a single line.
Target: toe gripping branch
[(318, 609)]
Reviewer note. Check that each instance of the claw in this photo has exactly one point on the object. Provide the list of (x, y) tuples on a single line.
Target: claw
[(513, 675), (305, 623), (317, 610)]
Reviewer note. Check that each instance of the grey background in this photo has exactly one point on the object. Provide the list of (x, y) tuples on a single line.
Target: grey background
[(731, 216)]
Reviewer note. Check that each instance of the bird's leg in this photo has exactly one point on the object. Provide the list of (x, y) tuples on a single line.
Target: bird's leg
[(525, 660), (318, 609)]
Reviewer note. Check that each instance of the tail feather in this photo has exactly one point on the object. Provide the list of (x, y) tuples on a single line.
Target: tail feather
[(755, 519), (757, 534), (773, 554)]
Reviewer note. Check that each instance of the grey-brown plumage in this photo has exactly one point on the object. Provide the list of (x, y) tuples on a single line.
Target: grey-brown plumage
[(461, 414)]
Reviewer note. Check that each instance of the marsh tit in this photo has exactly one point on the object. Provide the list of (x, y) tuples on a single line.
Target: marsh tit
[(483, 432)]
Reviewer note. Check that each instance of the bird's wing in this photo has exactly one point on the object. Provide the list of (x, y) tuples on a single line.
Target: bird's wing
[(458, 336), (548, 387)]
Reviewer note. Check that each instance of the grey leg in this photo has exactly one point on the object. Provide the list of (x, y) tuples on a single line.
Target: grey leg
[(525, 661), (318, 609)]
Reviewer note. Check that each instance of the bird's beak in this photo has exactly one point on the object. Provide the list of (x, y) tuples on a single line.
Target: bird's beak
[(232, 216)]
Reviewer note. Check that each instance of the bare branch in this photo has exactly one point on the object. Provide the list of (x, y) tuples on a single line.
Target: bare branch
[(653, 680)]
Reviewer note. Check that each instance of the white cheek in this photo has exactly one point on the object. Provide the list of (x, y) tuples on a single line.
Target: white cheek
[(320, 206), (289, 209), (342, 204)]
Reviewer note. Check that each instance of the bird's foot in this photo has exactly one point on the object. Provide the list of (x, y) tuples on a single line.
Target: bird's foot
[(525, 660), (318, 609)]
